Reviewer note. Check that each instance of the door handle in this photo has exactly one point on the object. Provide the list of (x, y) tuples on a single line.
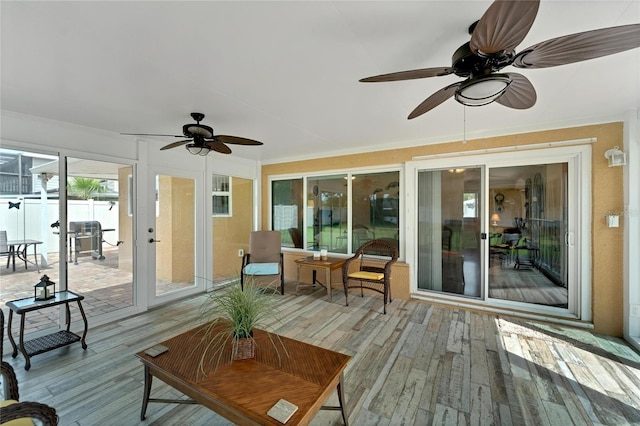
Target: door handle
[(151, 240)]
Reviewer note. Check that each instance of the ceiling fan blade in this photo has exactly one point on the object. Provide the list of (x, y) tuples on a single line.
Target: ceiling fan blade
[(175, 144), (520, 94), (579, 47), (152, 134), (503, 26), (235, 140), (434, 100), (409, 75), (219, 147)]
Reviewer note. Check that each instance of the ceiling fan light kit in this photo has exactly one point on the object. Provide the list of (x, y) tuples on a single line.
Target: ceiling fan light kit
[(482, 90), (197, 150), (494, 37)]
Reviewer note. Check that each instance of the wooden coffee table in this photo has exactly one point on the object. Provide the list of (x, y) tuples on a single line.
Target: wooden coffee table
[(243, 391), (329, 264)]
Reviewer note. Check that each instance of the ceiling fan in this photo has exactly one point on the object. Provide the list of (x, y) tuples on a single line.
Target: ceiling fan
[(201, 139), (492, 47)]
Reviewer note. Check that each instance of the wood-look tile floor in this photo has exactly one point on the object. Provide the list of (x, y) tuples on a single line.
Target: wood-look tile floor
[(420, 364)]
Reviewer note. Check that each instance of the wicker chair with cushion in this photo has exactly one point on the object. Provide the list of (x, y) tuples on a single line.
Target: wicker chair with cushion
[(12, 412), (374, 260), (264, 257)]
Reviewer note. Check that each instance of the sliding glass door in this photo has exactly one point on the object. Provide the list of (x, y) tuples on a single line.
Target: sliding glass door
[(506, 229), (449, 202), (529, 247)]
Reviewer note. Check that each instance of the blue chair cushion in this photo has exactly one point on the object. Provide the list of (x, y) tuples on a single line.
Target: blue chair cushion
[(262, 269)]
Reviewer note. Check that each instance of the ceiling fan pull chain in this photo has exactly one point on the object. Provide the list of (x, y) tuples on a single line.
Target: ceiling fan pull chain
[(464, 124)]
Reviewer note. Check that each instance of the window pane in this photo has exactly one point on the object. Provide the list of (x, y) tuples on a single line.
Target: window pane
[(528, 217), (221, 185), (287, 211), (327, 213), (375, 207), (220, 205), (100, 234), (448, 242)]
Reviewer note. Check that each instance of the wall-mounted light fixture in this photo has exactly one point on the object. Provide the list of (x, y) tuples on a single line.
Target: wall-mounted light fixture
[(616, 157)]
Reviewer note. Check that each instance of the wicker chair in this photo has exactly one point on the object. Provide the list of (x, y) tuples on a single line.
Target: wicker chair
[(373, 272), (11, 409), (264, 258)]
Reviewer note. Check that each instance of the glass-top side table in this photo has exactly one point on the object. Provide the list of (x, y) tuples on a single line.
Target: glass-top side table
[(51, 341)]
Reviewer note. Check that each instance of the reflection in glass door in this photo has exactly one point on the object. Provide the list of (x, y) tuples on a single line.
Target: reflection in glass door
[(527, 243), (232, 219), (172, 238), (449, 206)]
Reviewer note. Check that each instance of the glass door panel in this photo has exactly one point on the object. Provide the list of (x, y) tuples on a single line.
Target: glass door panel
[(449, 206), (100, 234), (29, 241), (172, 238), (528, 221), (232, 225)]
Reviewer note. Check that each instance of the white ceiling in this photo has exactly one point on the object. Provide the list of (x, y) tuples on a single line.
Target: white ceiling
[(286, 73)]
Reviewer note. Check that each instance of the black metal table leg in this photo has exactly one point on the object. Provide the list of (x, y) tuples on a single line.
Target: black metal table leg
[(13, 342), (86, 325), (27, 363)]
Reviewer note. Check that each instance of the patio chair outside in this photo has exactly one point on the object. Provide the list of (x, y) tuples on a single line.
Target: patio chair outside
[(4, 250), (264, 258)]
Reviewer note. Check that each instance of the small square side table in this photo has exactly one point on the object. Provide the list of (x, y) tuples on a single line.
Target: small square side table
[(328, 265), (50, 341)]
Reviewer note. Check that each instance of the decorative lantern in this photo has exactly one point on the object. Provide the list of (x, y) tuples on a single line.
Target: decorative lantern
[(45, 289)]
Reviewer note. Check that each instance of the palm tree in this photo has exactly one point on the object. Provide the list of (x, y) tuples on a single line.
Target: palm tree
[(85, 188)]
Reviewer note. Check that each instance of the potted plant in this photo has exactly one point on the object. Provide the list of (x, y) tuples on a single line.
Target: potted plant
[(231, 315)]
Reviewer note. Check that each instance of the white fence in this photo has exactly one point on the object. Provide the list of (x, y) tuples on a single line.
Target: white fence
[(33, 219)]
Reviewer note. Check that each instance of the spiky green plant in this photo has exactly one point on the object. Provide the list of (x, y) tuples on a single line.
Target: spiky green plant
[(85, 188), (232, 314)]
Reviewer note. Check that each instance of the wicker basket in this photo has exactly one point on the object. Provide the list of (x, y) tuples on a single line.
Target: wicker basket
[(243, 348)]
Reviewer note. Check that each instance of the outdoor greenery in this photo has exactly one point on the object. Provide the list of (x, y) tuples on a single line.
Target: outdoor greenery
[(85, 188)]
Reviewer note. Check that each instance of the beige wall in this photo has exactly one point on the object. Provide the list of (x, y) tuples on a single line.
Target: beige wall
[(125, 222), (607, 195), (175, 229)]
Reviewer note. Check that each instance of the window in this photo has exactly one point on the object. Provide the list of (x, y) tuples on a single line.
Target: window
[(221, 195), (375, 205), (286, 211), (326, 221), (328, 217)]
